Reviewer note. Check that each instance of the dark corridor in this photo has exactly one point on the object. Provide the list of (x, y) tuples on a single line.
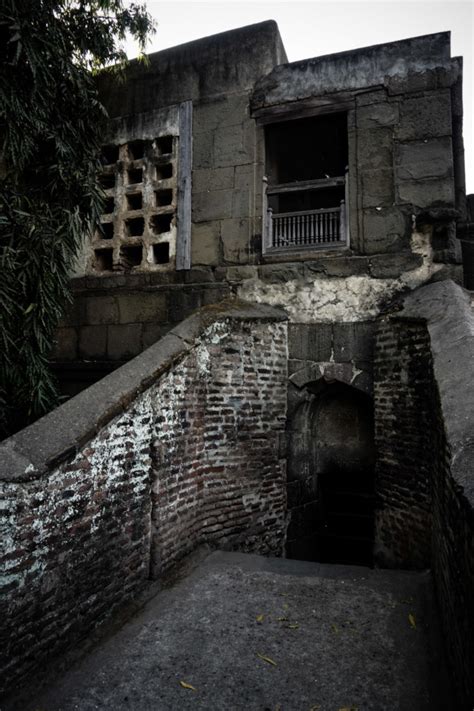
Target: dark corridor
[(331, 477)]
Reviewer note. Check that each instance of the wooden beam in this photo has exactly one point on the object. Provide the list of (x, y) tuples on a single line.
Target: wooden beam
[(185, 159)]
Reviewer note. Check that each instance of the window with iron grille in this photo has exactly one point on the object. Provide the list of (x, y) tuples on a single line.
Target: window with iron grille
[(306, 184)]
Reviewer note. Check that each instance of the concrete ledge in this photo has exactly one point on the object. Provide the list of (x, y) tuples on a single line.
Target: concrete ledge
[(62, 433), (446, 308)]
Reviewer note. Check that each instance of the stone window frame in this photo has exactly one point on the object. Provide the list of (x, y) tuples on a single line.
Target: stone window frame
[(138, 230), (308, 108)]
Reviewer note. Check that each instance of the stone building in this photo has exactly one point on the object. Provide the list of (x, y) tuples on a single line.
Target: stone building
[(327, 186), (332, 188)]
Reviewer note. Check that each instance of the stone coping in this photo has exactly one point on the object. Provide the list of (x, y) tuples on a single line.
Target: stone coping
[(63, 432), (447, 310)]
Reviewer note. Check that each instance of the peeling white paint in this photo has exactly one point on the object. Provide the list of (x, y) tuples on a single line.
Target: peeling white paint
[(348, 299)]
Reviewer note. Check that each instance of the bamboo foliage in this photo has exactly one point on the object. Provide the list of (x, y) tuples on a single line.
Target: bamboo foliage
[(50, 125)]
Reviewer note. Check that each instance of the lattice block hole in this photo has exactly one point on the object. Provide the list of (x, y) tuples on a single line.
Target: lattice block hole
[(131, 256), (103, 260), (161, 253), (134, 201), (161, 223), (163, 198)]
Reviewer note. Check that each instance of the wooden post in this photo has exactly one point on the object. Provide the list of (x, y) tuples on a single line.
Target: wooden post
[(342, 222), (185, 159), (347, 235)]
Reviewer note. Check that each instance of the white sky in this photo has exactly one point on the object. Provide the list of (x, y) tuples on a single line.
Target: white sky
[(310, 28)]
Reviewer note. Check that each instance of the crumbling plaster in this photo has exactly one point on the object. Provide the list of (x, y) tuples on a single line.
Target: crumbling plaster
[(355, 298)]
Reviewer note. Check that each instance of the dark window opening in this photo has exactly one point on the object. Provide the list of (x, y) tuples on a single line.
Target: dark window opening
[(163, 172), (161, 253), (306, 149), (134, 201), (106, 230), (107, 180), (130, 256), (136, 150), (135, 226), (135, 175), (307, 189), (108, 206), (164, 145), (110, 154), (103, 260), (163, 198), (161, 223)]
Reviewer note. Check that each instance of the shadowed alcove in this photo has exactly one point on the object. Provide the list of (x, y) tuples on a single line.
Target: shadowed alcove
[(331, 475)]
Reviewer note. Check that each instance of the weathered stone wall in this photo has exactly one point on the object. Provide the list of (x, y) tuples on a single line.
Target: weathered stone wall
[(179, 447), (424, 408), (406, 184)]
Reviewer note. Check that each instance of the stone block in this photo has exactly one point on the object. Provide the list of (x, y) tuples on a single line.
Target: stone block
[(199, 275), (385, 230), (203, 150), (242, 203), (377, 187), (375, 148), (93, 342), (183, 302), (208, 179), (367, 98), (419, 160), (353, 341), (241, 273), (215, 205), (425, 117), (390, 266), (425, 193), (377, 115), (101, 310), (66, 344), (233, 146), (205, 243), (139, 308), (223, 111), (152, 332), (124, 341), (235, 238), (281, 273), (245, 176), (310, 341), (345, 266)]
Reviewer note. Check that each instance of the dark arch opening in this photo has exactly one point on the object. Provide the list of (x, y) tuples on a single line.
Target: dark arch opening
[(331, 467)]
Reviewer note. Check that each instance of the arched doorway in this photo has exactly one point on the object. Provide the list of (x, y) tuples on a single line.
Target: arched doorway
[(331, 465)]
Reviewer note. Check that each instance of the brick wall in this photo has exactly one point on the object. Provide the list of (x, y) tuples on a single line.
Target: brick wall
[(403, 439), (424, 409), (176, 448)]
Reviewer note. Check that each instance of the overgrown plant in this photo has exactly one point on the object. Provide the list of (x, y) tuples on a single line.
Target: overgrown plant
[(50, 124)]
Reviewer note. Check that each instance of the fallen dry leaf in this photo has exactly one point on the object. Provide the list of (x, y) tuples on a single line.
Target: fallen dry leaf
[(282, 619), (348, 708), (266, 659), (259, 618), (412, 620), (293, 627), (335, 629), (185, 685)]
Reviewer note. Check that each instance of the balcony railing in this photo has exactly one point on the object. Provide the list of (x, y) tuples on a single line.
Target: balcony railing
[(324, 228)]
